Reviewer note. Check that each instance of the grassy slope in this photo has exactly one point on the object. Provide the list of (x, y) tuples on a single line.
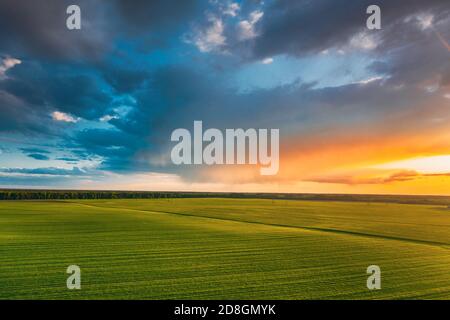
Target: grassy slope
[(223, 248)]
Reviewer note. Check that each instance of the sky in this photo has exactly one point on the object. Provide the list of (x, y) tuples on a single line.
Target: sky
[(359, 110)]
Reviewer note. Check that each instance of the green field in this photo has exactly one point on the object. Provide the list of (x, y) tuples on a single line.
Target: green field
[(223, 249)]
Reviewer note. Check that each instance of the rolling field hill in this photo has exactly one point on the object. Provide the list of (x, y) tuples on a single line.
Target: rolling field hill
[(223, 249)]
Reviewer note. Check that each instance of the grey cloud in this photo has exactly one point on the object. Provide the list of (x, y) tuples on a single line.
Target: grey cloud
[(174, 97), (38, 28), (18, 116), (308, 27), (47, 88), (116, 148), (177, 96), (124, 80), (139, 14)]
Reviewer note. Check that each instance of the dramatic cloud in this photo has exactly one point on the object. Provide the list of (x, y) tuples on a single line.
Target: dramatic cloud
[(18, 116), (140, 15), (110, 94), (332, 24), (40, 29), (36, 28), (45, 87)]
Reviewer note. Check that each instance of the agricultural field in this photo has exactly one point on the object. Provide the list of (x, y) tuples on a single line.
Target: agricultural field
[(223, 249)]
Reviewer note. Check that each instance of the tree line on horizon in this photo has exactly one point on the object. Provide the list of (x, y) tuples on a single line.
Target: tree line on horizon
[(34, 194)]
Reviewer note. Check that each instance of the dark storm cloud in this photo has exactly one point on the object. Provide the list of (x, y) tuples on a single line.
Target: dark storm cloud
[(38, 28), (176, 96), (124, 80), (304, 27), (32, 92), (18, 116), (172, 97), (152, 24), (413, 62), (116, 148), (138, 15), (61, 69), (50, 87)]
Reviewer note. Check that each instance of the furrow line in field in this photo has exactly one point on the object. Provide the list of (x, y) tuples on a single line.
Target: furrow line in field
[(318, 229)]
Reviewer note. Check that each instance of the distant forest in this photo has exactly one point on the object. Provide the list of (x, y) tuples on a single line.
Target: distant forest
[(21, 194)]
